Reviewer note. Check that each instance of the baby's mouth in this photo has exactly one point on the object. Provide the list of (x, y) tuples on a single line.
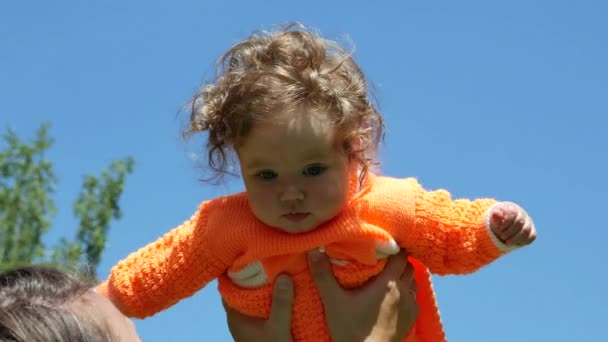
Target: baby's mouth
[(296, 216)]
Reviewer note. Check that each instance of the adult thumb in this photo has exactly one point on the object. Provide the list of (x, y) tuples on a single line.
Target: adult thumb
[(282, 302)]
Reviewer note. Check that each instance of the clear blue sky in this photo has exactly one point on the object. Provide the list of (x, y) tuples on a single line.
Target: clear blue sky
[(483, 98)]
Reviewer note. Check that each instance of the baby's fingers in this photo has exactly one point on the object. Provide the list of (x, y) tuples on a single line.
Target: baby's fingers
[(502, 217), (497, 221), (515, 226), (525, 236)]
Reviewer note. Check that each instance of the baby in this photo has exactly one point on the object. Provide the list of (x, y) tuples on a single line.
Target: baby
[(295, 110)]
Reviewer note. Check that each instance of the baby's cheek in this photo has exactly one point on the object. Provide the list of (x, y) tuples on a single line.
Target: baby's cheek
[(333, 194), (259, 200), (332, 191)]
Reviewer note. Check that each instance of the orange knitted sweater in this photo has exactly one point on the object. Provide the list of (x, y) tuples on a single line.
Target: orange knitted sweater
[(224, 240)]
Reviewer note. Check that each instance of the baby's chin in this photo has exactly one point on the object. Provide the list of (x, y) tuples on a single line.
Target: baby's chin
[(294, 228), (295, 231)]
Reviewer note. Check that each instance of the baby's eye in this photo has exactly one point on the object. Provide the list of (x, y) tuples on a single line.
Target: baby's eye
[(266, 175), (314, 170)]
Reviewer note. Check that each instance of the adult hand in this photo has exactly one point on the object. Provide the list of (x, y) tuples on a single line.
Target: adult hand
[(276, 328), (384, 309)]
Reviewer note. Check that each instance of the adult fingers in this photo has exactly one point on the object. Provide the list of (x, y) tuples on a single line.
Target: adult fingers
[(240, 326), (322, 275), (409, 290), (235, 317), (228, 309), (388, 314), (395, 267), (407, 281), (413, 288), (282, 301), (408, 273)]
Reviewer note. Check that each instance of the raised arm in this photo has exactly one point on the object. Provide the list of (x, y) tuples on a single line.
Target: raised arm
[(448, 236), (166, 271), (452, 236)]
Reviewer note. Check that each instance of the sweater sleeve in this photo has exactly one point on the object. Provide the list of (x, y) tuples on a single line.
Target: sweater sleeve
[(450, 236), (164, 272)]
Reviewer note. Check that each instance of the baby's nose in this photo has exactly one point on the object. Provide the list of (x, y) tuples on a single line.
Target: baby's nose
[(292, 193)]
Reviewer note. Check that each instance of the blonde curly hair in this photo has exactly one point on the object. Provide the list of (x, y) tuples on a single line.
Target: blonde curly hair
[(283, 69)]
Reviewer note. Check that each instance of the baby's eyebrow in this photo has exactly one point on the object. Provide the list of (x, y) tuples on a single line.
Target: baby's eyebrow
[(257, 164), (316, 154)]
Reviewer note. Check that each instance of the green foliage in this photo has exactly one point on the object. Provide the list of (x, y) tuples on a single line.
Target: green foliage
[(27, 183)]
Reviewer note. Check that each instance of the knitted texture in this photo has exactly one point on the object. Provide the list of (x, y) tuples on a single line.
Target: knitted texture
[(440, 235)]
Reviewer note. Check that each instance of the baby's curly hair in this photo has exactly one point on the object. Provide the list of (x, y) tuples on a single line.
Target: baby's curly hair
[(280, 70)]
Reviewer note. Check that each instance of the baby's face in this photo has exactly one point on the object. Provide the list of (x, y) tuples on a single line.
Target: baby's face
[(295, 175)]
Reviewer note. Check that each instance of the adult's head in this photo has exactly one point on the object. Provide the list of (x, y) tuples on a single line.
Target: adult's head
[(43, 304)]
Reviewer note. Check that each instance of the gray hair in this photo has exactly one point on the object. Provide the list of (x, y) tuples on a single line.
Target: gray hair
[(36, 306)]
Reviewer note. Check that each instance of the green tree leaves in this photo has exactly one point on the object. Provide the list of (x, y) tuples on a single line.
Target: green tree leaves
[(27, 183)]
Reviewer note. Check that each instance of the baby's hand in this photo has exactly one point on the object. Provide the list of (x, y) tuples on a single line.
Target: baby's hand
[(512, 225)]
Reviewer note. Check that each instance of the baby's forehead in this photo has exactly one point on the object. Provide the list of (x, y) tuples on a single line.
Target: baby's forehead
[(293, 135), (292, 141), (297, 122)]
